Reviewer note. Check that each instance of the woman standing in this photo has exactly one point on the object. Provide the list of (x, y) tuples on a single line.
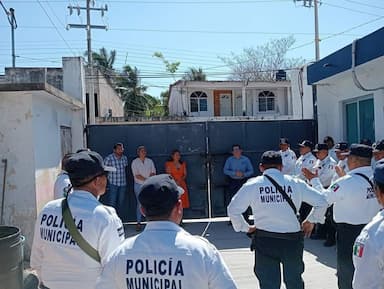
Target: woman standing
[(178, 170)]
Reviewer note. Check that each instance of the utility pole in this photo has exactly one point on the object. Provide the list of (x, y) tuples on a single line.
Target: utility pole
[(12, 21), (88, 27), (314, 4), (309, 4)]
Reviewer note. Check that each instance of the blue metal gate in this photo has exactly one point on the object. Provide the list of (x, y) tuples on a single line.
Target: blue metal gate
[(203, 145)]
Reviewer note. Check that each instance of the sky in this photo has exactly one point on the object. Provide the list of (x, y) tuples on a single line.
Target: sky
[(194, 32)]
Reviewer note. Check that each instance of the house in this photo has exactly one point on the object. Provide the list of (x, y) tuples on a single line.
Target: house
[(43, 114), (257, 100), (350, 90)]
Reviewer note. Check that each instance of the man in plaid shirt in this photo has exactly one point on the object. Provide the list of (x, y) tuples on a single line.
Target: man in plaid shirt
[(117, 181)]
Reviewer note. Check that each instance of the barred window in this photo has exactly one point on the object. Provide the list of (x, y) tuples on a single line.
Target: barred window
[(266, 101), (199, 101)]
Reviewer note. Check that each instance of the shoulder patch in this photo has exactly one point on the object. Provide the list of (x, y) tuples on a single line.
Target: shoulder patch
[(335, 187), (358, 249)]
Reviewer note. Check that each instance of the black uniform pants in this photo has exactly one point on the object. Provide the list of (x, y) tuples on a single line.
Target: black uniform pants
[(346, 235), (270, 252), (233, 186)]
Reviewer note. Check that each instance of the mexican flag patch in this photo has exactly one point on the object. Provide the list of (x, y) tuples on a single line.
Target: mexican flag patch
[(358, 250), (335, 187)]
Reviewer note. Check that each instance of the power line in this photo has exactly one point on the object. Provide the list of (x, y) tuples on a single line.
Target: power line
[(349, 9), (364, 4), (54, 26)]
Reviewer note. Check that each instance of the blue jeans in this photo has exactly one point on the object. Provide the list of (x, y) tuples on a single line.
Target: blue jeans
[(115, 196), (136, 189)]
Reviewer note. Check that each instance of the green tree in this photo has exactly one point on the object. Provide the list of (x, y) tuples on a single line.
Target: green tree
[(262, 62), (136, 101), (104, 61), (195, 74)]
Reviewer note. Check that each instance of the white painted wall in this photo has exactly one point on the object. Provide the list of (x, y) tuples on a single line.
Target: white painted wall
[(333, 92), (30, 141), (108, 98), (17, 146)]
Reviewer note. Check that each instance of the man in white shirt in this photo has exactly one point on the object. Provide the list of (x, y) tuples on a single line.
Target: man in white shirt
[(278, 239), (164, 255), (288, 156), (57, 258), (354, 203), (368, 250), (62, 184), (142, 168)]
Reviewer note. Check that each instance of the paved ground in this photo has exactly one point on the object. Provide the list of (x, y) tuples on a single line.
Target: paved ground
[(320, 262)]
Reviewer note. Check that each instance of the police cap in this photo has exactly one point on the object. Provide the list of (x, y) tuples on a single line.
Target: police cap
[(341, 146), (378, 173), (85, 165), (359, 150), (378, 146), (306, 143), (159, 194), (271, 158), (320, 146), (284, 140)]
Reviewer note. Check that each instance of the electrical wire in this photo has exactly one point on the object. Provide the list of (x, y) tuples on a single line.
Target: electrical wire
[(57, 30)]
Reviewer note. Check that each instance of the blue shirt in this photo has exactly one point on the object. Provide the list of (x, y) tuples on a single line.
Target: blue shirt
[(117, 178), (242, 164)]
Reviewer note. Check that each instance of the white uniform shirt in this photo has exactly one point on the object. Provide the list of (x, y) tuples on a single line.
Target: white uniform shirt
[(61, 184), (289, 161), (368, 255), (166, 256), (145, 169), (354, 201), (326, 170), (304, 161), (271, 212), (59, 262)]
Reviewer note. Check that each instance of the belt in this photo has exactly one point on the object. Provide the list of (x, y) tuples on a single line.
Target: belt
[(346, 225), (284, 236)]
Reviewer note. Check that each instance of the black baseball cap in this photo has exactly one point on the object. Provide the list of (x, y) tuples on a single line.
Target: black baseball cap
[(84, 166), (341, 146), (271, 158), (306, 143), (320, 146), (360, 150), (159, 194), (378, 146), (378, 173)]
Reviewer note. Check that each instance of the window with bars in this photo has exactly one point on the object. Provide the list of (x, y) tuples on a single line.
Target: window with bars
[(199, 101), (266, 101)]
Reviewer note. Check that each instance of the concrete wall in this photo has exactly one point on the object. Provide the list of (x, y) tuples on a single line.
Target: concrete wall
[(17, 147), (30, 141), (108, 98), (53, 76), (333, 92)]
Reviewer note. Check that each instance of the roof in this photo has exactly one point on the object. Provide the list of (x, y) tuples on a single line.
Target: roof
[(368, 48), (45, 87)]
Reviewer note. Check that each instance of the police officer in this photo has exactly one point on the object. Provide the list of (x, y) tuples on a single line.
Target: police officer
[(164, 255), (288, 157), (306, 159), (342, 165), (368, 250), (325, 167), (278, 238), (354, 206), (60, 263), (378, 151)]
